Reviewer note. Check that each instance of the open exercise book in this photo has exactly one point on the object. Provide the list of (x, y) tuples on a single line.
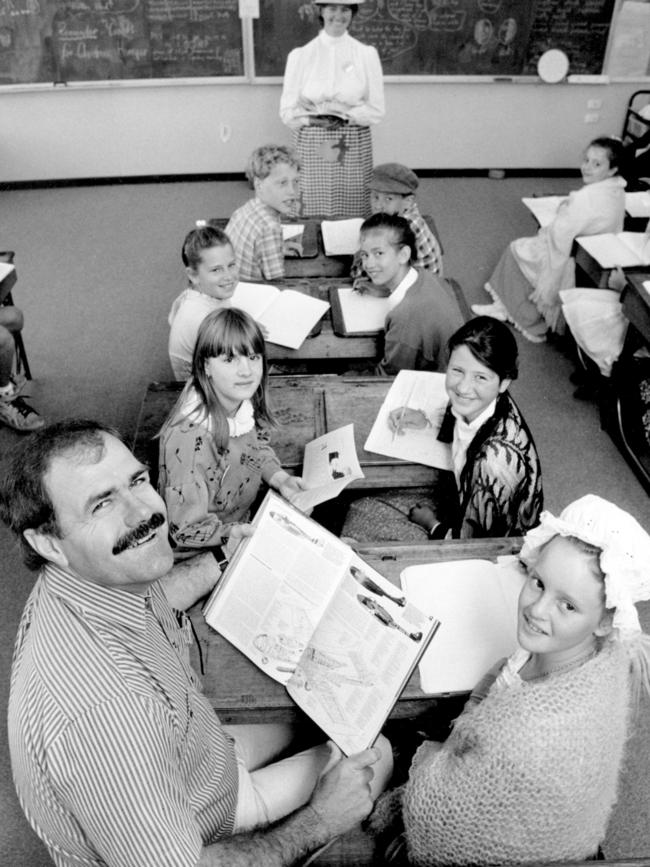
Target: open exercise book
[(356, 314), (626, 249), (341, 237), (301, 605), (418, 390), (287, 315), (476, 601)]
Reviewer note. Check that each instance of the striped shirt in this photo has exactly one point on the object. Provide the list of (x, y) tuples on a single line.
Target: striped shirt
[(255, 231), (117, 757)]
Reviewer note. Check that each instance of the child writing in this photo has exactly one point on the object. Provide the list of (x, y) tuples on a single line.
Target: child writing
[(211, 268), (214, 446), (423, 311), (527, 280), (530, 770), (255, 228), (392, 191)]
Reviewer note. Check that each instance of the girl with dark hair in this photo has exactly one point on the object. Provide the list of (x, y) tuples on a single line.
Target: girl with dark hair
[(526, 283), (214, 446), (333, 91), (498, 490), (422, 308), (212, 271)]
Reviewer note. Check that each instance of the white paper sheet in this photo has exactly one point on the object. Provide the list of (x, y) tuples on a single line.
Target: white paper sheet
[(421, 390), (329, 465), (627, 249), (341, 237), (362, 312), (476, 603)]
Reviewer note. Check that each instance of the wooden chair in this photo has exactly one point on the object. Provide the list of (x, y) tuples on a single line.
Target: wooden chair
[(6, 285)]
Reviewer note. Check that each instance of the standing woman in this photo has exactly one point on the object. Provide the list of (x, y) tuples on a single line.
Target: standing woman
[(333, 91)]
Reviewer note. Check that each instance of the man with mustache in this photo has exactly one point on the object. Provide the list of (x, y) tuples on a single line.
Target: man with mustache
[(117, 757)]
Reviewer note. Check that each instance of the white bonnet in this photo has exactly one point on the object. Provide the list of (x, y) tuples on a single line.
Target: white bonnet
[(625, 557)]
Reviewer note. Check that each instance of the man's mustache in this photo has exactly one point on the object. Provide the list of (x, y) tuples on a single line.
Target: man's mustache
[(140, 532)]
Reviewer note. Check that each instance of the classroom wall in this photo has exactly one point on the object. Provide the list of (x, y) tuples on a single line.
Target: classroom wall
[(125, 130)]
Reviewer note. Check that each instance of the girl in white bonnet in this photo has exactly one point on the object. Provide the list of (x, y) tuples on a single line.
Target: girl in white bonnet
[(530, 770)]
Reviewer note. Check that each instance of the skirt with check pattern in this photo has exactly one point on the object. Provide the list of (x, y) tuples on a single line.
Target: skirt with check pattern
[(336, 167)]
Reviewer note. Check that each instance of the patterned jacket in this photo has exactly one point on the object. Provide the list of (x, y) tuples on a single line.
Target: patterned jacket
[(500, 491)]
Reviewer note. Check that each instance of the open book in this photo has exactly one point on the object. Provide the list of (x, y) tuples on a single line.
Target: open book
[(341, 237), (476, 601), (543, 208), (355, 313), (418, 390), (301, 605), (626, 249), (287, 315), (329, 465)]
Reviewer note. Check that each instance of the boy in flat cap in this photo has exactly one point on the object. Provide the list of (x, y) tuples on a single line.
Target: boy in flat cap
[(392, 191)]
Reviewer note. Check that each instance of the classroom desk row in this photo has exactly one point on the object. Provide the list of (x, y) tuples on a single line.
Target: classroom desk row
[(624, 406), (305, 407), (241, 693)]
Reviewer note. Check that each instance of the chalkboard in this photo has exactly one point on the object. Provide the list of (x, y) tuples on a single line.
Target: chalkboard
[(91, 40), (448, 37), (103, 40)]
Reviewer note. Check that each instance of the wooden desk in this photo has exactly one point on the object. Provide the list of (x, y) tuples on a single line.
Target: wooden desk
[(241, 693), (623, 413), (593, 271), (306, 407)]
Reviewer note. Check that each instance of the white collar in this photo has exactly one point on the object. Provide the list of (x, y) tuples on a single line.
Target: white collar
[(464, 426), (241, 423), (402, 288)]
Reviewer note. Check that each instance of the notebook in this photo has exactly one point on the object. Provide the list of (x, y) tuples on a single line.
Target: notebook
[(355, 314), (288, 316), (626, 249), (341, 237)]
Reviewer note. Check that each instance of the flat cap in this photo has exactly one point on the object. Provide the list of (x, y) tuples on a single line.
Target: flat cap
[(393, 178)]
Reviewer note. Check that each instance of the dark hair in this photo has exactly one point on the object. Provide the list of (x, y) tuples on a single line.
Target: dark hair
[(613, 147), (401, 232), (25, 503), (202, 238), (491, 342), (353, 7), (228, 331)]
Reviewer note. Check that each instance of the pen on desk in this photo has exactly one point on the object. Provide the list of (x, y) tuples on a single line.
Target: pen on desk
[(399, 423)]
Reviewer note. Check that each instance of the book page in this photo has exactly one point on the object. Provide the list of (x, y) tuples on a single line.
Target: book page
[(543, 208), (415, 389), (360, 657), (330, 463), (476, 602), (610, 250), (291, 316), (277, 586), (341, 237), (362, 313), (638, 204), (254, 298)]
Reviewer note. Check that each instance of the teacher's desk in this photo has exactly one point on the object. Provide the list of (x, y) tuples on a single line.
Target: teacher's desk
[(305, 407), (241, 693)]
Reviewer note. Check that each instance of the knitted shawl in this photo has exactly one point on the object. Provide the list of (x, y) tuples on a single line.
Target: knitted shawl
[(529, 774)]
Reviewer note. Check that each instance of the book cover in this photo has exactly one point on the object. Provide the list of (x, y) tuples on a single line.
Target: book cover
[(301, 605)]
